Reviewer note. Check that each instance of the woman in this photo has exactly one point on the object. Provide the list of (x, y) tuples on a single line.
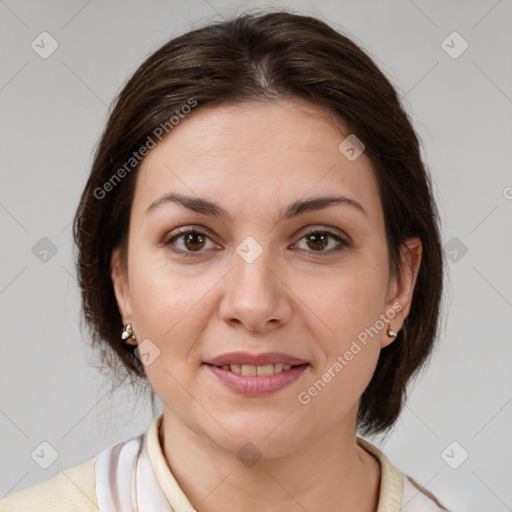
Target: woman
[(258, 241)]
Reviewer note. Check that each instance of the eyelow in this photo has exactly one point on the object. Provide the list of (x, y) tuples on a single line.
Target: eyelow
[(168, 241), (342, 242)]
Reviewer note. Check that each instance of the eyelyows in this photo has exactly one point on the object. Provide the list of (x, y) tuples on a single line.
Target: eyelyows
[(168, 240)]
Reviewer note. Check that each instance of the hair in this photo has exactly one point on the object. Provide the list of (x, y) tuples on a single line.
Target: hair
[(264, 57)]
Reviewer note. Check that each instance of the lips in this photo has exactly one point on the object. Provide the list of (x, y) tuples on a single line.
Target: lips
[(257, 385), (248, 359)]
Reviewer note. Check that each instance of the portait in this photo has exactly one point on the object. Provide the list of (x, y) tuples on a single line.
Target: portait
[(258, 242)]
